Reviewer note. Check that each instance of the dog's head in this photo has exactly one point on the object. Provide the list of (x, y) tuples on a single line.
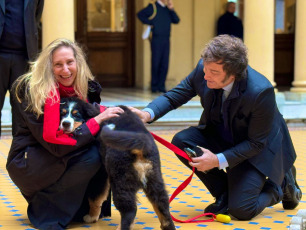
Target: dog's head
[(73, 112)]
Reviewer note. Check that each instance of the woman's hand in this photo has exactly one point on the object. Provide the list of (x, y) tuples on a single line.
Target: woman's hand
[(108, 113), (205, 162), (143, 115)]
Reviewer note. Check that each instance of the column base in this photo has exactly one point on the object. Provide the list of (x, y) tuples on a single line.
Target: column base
[(298, 89), (298, 86)]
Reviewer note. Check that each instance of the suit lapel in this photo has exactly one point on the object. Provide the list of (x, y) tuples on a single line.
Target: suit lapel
[(26, 4), (231, 105), (207, 104), (2, 5)]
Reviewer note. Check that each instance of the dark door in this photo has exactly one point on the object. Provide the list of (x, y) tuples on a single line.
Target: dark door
[(284, 60), (105, 28), (284, 43)]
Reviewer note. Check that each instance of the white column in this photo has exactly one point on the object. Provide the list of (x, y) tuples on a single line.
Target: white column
[(259, 35), (57, 20), (299, 83)]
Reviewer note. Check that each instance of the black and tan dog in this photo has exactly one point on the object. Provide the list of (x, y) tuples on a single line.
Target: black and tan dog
[(73, 112), (132, 162)]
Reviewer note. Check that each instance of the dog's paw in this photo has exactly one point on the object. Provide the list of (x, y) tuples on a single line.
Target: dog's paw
[(90, 219)]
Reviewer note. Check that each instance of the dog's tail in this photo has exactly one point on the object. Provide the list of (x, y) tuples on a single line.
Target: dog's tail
[(126, 140)]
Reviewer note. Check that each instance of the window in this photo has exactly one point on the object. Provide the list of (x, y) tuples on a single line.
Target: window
[(284, 16), (106, 15)]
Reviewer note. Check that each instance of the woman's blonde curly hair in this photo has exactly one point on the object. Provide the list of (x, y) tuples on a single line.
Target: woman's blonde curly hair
[(39, 81)]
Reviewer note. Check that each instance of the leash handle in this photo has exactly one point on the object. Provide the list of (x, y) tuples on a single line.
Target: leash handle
[(180, 152)]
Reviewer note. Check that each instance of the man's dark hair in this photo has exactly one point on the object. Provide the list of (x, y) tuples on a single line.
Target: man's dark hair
[(228, 51)]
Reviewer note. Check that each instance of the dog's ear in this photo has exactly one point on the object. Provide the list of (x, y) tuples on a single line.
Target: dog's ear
[(91, 110)]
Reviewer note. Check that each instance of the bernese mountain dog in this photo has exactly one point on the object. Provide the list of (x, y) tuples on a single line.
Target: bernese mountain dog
[(132, 163), (73, 112)]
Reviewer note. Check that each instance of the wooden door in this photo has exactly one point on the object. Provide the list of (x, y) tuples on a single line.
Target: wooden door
[(284, 60), (105, 28)]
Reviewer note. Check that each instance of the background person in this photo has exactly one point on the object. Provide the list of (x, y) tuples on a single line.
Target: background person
[(19, 22), (240, 130), (160, 42), (100, 18), (53, 170), (228, 23)]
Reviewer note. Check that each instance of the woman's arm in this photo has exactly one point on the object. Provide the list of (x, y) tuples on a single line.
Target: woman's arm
[(83, 135)]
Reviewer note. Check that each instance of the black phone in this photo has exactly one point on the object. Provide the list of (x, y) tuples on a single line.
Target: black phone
[(190, 152)]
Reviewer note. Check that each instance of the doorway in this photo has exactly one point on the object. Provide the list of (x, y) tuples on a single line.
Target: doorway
[(284, 43), (105, 29)]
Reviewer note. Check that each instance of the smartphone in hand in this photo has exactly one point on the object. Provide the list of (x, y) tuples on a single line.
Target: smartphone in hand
[(190, 152)]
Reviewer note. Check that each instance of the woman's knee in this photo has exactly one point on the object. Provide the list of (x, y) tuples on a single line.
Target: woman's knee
[(88, 160)]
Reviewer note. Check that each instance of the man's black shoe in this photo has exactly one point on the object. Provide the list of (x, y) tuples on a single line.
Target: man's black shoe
[(291, 190), (220, 206)]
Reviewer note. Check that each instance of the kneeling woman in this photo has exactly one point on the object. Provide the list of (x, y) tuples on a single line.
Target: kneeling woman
[(53, 170)]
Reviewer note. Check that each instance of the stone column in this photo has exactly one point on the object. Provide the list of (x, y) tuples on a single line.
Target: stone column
[(57, 20), (259, 36), (299, 83)]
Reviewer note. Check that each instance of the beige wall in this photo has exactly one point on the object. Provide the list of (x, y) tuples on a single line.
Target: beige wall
[(259, 36), (206, 13), (142, 70), (58, 20), (181, 46), (196, 28), (188, 38)]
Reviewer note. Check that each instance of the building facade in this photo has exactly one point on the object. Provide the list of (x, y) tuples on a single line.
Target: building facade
[(118, 56)]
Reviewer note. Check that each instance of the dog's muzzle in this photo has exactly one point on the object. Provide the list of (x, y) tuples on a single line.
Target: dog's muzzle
[(67, 125)]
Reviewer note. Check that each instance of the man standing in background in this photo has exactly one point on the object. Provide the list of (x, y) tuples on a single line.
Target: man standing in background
[(228, 23), (160, 42), (19, 21)]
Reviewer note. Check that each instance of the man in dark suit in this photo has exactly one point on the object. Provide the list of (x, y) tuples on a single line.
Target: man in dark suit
[(228, 23), (159, 15), (246, 155), (19, 21)]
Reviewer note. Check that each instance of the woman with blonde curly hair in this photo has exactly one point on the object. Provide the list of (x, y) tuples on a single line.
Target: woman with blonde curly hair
[(52, 169)]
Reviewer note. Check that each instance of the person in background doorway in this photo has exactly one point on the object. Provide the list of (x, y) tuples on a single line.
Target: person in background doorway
[(228, 23), (160, 42), (100, 18), (19, 20)]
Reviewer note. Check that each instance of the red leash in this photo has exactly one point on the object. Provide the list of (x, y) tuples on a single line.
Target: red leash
[(180, 152)]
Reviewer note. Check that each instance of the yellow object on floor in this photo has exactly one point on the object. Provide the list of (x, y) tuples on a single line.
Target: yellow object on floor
[(190, 203)]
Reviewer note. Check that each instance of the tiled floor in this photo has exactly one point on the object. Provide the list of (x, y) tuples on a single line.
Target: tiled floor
[(189, 203)]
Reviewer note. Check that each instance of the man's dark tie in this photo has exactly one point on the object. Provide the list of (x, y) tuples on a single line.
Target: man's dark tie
[(215, 113)]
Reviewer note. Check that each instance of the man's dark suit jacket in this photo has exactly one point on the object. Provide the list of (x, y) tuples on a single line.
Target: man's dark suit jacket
[(260, 134), (32, 14)]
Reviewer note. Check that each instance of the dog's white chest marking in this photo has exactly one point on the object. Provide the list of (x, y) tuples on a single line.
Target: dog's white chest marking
[(111, 126), (142, 167)]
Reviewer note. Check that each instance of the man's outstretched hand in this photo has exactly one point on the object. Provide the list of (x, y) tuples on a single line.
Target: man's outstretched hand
[(143, 115)]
